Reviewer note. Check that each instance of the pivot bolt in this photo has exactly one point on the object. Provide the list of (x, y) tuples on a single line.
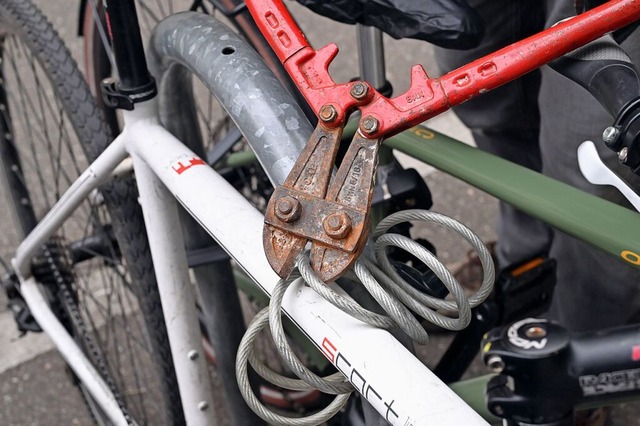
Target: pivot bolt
[(328, 113), (495, 364), (288, 209), (535, 332), (369, 125), (359, 91), (623, 154), (610, 135), (337, 225)]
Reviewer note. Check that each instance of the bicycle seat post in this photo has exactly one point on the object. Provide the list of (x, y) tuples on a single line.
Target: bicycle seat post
[(135, 82), (371, 56)]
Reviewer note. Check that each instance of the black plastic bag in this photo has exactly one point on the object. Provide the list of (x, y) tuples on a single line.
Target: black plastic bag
[(446, 23)]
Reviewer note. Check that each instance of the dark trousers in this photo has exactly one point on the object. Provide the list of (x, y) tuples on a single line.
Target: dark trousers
[(539, 121)]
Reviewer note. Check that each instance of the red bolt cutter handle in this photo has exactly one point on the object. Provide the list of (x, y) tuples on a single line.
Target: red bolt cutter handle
[(428, 97)]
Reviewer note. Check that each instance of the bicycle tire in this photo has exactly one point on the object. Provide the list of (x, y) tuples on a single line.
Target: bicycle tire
[(97, 269), (221, 332), (194, 129)]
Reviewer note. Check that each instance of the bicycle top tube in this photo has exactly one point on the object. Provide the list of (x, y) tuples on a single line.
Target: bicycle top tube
[(426, 97)]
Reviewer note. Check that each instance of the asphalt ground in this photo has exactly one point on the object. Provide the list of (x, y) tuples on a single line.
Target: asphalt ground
[(35, 386)]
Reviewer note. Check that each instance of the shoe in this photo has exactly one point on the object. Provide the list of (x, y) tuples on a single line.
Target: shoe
[(469, 273)]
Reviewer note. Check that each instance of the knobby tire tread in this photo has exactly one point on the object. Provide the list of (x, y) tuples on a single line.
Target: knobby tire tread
[(120, 194)]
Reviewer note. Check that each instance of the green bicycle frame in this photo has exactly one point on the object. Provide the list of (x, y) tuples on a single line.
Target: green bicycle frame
[(612, 228)]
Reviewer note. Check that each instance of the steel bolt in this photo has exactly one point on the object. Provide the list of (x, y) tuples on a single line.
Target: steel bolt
[(535, 332), (288, 209), (337, 225), (328, 113), (369, 125), (359, 91), (203, 405), (495, 364), (610, 135), (193, 355), (623, 154)]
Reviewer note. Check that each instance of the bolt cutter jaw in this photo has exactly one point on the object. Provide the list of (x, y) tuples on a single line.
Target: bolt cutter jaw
[(331, 214)]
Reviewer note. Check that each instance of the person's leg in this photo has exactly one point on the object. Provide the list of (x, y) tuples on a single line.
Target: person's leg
[(506, 120), (594, 290)]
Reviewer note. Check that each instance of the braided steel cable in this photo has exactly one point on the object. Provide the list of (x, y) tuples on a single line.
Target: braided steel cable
[(334, 384), (399, 300)]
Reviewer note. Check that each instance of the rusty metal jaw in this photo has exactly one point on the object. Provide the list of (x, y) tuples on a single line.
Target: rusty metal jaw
[(331, 214)]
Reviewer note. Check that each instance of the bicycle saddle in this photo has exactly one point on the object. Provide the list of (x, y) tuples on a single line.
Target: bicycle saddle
[(446, 23)]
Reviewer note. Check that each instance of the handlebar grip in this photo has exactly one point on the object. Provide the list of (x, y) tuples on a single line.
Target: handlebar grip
[(605, 70)]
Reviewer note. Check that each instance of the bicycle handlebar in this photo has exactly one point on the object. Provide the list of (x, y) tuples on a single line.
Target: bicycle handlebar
[(605, 70)]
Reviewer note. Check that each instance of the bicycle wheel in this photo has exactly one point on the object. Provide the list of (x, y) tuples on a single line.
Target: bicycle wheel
[(97, 269), (195, 117)]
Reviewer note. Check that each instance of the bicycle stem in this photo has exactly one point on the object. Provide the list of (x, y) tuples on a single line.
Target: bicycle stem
[(427, 97)]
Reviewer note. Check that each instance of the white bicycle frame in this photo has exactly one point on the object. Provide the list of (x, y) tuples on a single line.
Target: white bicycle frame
[(397, 385)]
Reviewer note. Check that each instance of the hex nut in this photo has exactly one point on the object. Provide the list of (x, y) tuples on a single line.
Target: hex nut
[(328, 113), (287, 209), (337, 225), (359, 91), (369, 125)]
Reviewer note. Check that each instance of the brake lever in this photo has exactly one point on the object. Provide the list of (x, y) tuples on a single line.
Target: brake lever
[(597, 173)]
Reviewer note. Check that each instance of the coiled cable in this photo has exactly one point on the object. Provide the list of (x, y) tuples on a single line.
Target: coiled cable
[(396, 297)]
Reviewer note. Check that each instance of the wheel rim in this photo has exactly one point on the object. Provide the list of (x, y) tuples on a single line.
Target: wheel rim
[(100, 307)]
